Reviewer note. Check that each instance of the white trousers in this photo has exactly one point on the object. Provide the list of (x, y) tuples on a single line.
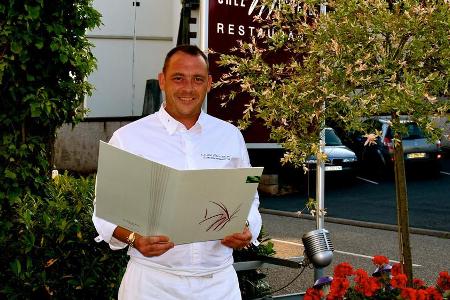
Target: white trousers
[(141, 282)]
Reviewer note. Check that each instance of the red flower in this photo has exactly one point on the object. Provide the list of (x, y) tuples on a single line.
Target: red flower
[(365, 284), (408, 294), (396, 269), (371, 287), (338, 288), (380, 260), (433, 294), (399, 281), (418, 283), (343, 270), (360, 275), (430, 293), (444, 281), (421, 294), (313, 294)]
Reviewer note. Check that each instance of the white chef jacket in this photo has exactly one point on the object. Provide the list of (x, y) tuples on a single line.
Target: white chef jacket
[(210, 143)]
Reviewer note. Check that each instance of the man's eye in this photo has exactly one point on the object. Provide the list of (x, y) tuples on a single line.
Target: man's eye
[(199, 79)]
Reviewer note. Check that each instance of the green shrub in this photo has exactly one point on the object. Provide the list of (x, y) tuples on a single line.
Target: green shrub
[(52, 253), (46, 244)]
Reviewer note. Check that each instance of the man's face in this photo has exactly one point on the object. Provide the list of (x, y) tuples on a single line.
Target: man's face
[(185, 83)]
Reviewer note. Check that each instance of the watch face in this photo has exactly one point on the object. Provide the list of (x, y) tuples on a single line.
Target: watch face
[(130, 239)]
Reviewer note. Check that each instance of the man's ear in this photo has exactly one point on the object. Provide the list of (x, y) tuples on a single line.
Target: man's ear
[(161, 80), (209, 82)]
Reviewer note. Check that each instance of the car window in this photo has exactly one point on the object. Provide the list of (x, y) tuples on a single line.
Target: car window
[(413, 132), (331, 139)]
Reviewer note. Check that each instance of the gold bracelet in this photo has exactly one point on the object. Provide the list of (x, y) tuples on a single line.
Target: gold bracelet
[(130, 239)]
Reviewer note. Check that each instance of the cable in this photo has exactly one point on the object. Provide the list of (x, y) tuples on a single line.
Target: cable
[(295, 278)]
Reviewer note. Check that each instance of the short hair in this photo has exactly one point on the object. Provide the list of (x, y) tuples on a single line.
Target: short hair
[(188, 49)]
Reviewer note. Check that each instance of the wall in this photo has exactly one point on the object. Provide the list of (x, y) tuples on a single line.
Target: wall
[(77, 149), (130, 47)]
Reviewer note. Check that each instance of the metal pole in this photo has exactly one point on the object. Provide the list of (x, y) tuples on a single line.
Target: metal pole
[(320, 178), (320, 185), (133, 62), (320, 174), (320, 195), (204, 10)]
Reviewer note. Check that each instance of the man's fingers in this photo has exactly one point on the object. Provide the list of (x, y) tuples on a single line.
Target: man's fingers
[(245, 236), (158, 239), (156, 249), (238, 240), (153, 245)]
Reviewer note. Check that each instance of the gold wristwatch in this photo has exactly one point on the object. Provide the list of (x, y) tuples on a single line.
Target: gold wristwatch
[(130, 239)]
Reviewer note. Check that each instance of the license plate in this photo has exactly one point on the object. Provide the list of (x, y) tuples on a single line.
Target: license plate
[(333, 168), (416, 155)]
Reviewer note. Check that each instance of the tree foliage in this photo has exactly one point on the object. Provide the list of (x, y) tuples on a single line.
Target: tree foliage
[(361, 58), (45, 59)]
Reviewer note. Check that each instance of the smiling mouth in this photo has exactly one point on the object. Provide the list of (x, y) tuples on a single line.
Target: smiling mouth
[(186, 99)]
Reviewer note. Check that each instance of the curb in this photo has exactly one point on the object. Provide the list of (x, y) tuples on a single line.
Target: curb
[(413, 230)]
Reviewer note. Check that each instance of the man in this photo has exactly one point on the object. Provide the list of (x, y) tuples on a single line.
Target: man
[(181, 136)]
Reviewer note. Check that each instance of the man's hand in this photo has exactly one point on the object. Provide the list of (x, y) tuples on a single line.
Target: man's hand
[(238, 240), (153, 245), (147, 245)]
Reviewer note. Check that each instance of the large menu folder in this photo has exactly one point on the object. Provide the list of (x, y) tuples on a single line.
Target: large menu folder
[(186, 205)]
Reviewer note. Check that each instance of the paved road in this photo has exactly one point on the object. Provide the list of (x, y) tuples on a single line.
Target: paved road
[(369, 199), (353, 244)]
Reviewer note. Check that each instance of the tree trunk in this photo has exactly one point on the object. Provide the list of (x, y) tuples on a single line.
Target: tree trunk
[(402, 210)]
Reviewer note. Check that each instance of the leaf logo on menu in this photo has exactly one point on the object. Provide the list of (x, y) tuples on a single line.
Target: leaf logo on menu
[(219, 217)]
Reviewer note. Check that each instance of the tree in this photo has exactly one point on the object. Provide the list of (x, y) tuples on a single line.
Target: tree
[(45, 59), (361, 58)]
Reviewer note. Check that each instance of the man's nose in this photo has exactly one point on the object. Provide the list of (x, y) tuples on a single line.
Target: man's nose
[(189, 84)]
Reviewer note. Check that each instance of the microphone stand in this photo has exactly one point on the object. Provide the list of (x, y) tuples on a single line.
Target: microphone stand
[(320, 196), (283, 262), (320, 177)]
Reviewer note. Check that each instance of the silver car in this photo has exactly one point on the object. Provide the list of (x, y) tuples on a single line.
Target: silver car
[(339, 157)]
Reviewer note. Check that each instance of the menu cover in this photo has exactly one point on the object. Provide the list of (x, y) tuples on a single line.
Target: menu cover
[(186, 205)]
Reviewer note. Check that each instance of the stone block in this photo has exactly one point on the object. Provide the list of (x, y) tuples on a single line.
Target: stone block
[(269, 179)]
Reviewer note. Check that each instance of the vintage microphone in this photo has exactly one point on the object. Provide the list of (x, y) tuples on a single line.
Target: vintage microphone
[(318, 247), (318, 251)]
